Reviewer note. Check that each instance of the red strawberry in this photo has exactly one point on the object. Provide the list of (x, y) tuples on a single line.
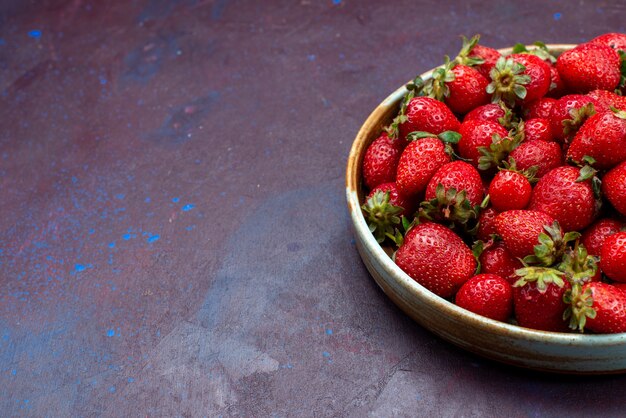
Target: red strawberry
[(436, 258), (491, 112), (614, 187), (475, 134), (557, 85), (486, 224), (428, 115), (496, 259), (383, 208), (602, 137), (614, 40), (569, 113), (562, 196), (520, 230), (488, 55), (381, 159), (544, 155), (589, 67), (519, 78), (613, 257), (540, 108), (537, 129), (395, 198), (487, 295), (467, 90), (457, 175), (539, 304), (593, 237), (419, 161), (598, 307), (509, 190), (608, 99)]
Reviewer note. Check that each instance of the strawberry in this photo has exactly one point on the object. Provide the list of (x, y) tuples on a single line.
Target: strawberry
[(428, 115), (613, 257), (417, 164), (496, 259), (599, 307), (488, 55), (608, 99), (509, 190), (436, 258), (476, 134), (520, 230), (461, 87), (593, 237), (538, 299), (486, 224), (570, 112), (541, 154), (519, 78), (603, 138), (383, 208), (589, 67), (567, 197), (395, 198), (491, 112), (614, 40), (537, 129), (460, 176), (540, 108), (487, 295), (557, 85), (614, 187), (381, 160)]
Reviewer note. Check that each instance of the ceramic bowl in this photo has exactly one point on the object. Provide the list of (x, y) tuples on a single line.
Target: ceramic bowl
[(511, 344)]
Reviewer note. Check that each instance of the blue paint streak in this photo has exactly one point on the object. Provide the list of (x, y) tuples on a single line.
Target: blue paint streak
[(13, 372), (79, 267), (336, 2), (112, 244), (188, 207), (127, 236), (311, 57), (326, 354), (153, 238), (147, 200), (111, 333), (557, 16), (35, 34), (176, 200), (112, 389), (120, 196), (329, 332), (131, 380)]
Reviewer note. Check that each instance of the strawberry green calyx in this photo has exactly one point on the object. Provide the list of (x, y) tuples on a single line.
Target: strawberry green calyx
[(579, 307), (447, 137), (507, 81), (530, 173), (477, 250), (464, 57), (587, 172), (578, 117), (578, 265), (510, 120), (622, 67), (414, 88), (543, 276), (498, 151), (398, 234), (437, 87), (451, 207), (381, 215), (541, 51), (552, 245)]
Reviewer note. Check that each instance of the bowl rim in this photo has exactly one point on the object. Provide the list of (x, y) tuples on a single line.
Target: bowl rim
[(417, 290)]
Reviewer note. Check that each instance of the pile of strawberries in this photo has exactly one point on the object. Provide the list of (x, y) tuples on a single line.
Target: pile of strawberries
[(501, 184)]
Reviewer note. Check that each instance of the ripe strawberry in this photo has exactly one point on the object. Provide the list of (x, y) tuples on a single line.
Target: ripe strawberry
[(436, 258), (589, 67), (570, 112), (457, 175), (395, 198), (383, 208), (537, 129), (597, 306), (614, 40), (381, 159), (487, 295), (428, 115), (467, 90), (602, 137), (475, 134), (557, 85), (614, 187), (491, 112), (541, 154), (593, 237), (520, 230), (540, 108), (488, 55), (486, 224), (539, 304), (496, 259), (419, 161), (608, 99), (519, 78), (613, 257), (561, 195), (509, 190)]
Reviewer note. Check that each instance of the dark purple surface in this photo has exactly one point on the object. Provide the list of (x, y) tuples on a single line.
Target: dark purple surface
[(174, 237)]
